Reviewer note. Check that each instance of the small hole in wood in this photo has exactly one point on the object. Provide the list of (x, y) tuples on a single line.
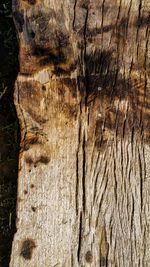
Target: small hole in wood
[(33, 209)]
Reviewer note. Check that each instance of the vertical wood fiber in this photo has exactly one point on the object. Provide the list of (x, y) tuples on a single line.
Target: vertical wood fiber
[(83, 100)]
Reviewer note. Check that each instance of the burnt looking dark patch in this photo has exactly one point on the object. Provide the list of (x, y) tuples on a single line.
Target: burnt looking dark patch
[(26, 148), (120, 27), (29, 160), (53, 59), (31, 2), (44, 160), (55, 56), (59, 71), (71, 84), (19, 20), (27, 249), (143, 21), (33, 141), (25, 74), (89, 257), (103, 71)]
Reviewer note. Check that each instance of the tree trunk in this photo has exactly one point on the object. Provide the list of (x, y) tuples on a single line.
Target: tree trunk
[(83, 100)]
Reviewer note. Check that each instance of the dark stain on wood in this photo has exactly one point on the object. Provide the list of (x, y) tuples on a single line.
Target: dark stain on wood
[(26, 74), (103, 87), (32, 186), (60, 71), (19, 19), (71, 84), (20, 199), (52, 59), (89, 257), (32, 2), (27, 248), (25, 192), (143, 21), (33, 209), (26, 148), (43, 88), (32, 141), (103, 262), (55, 57), (43, 159), (102, 71), (29, 160)]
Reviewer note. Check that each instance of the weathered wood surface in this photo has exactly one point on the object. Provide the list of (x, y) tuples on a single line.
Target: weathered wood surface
[(83, 100)]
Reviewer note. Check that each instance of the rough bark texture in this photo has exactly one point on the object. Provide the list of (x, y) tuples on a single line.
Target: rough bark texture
[(83, 100)]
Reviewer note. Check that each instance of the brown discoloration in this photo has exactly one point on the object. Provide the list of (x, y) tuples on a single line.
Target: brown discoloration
[(32, 141), (103, 262), (59, 60), (33, 209), (117, 103), (89, 257), (29, 160), (32, 186), (30, 96), (25, 192), (143, 21), (20, 199), (103, 246), (43, 88), (29, 141), (43, 159), (27, 248), (71, 85), (97, 96)]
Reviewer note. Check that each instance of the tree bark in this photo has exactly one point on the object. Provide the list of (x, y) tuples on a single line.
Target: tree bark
[(83, 100)]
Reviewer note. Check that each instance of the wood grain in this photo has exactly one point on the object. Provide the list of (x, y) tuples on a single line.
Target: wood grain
[(83, 97)]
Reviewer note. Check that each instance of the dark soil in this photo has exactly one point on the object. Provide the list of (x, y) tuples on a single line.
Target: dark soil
[(9, 131)]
